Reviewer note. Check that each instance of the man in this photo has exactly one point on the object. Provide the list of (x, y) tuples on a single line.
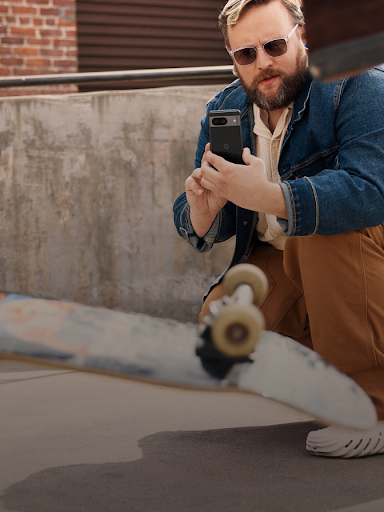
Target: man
[(308, 208)]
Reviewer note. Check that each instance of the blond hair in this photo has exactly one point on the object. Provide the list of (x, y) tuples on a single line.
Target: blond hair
[(234, 9)]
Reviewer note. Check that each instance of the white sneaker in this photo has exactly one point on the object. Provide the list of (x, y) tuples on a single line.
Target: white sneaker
[(336, 441)]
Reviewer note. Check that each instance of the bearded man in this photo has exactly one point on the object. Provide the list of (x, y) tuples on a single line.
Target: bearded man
[(307, 207)]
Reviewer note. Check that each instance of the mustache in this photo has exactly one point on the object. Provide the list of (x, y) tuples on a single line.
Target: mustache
[(266, 74)]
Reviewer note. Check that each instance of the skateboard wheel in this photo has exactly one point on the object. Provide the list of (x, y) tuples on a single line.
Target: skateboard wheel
[(237, 330), (246, 274)]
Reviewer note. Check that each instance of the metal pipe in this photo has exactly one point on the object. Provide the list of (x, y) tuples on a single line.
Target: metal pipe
[(219, 72)]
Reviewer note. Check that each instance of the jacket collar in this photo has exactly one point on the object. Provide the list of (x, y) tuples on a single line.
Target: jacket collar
[(302, 98)]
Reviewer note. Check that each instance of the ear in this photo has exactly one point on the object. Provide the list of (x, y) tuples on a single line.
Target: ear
[(303, 36), (234, 71)]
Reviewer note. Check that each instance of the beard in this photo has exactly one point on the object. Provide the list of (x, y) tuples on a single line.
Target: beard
[(289, 89)]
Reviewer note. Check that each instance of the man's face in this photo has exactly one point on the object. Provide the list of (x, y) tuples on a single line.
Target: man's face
[(271, 83)]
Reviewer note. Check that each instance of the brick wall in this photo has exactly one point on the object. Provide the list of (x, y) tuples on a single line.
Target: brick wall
[(38, 37)]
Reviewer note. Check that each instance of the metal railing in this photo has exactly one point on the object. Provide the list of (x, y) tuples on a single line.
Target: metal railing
[(216, 72)]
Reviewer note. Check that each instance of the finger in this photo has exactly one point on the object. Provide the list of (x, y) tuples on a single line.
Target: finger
[(194, 186), (208, 185), (216, 161), (207, 148), (206, 169), (196, 174), (210, 177), (247, 156), (249, 159)]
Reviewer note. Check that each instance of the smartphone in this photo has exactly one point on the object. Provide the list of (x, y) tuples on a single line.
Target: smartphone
[(225, 134)]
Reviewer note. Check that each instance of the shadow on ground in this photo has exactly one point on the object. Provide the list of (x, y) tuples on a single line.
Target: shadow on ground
[(244, 469)]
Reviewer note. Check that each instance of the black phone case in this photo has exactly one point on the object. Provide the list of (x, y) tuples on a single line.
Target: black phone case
[(226, 140)]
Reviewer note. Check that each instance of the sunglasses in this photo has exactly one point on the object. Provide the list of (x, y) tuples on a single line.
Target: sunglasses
[(274, 48)]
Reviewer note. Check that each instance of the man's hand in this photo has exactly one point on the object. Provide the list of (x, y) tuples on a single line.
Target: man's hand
[(246, 185), (204, 203)]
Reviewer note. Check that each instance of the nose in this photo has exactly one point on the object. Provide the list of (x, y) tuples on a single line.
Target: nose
[(263, 60)]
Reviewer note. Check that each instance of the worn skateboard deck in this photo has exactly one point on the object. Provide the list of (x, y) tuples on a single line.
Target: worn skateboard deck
[(155, 350)]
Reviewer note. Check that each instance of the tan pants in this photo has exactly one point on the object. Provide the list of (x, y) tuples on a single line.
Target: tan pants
[(327, 292)]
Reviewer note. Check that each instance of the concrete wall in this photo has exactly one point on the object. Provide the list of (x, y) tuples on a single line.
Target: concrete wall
[(87, 183)]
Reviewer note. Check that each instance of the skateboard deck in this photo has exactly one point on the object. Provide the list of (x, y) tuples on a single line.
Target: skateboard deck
[(139, 347)]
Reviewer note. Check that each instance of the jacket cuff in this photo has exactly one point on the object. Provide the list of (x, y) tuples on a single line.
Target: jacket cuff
[(199, 244), (303, 199), (287, 225)]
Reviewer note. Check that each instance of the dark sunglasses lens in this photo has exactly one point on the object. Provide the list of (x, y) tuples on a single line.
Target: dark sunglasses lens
[(245, 56), (276, 48)]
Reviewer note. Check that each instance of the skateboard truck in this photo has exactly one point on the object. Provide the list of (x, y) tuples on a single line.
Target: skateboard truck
[(234, 323)]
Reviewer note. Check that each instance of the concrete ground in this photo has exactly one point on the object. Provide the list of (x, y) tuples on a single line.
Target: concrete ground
[(79, 442)]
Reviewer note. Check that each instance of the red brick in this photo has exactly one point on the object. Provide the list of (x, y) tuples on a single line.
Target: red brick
[(5, 71), (48, 33), (68, 3), (26, 71), (37, 22), (38, 63), (50, 12), (71, 33), (69, 13), (3, 9), (67, 23), (25, 21), (51, 22), (65, 63), (65, 42), (49, 71), (23, 31), (11, 92), (12, 40), (10, 19), (39, 2), (11, 61), (3, 30), (5, 50), (72, 53), (39, 42), (25, 51), (51, 53), (24, 10)]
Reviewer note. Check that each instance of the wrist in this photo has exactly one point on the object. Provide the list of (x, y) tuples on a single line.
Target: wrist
[(201, 222), (274, 203), (207, 214)]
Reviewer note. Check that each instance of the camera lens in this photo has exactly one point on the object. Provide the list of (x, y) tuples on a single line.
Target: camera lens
[(219, 121)]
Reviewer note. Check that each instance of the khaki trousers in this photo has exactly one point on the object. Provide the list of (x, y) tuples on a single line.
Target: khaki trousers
[(327, 292)]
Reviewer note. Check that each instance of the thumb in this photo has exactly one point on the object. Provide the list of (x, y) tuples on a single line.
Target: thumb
[(250, 159), (247, 156)]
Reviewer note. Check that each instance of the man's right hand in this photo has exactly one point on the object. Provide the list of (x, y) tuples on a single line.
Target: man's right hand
[(204, 204)]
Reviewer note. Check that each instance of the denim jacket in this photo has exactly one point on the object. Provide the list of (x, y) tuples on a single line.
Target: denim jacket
[(331, 163)]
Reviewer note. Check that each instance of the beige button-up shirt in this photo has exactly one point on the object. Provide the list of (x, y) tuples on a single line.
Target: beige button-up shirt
[(268, 147)]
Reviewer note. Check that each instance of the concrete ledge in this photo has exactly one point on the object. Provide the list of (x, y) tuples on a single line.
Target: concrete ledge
[(87, 183)]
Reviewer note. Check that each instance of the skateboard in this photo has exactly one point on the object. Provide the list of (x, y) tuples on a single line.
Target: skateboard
[(231, 352)]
